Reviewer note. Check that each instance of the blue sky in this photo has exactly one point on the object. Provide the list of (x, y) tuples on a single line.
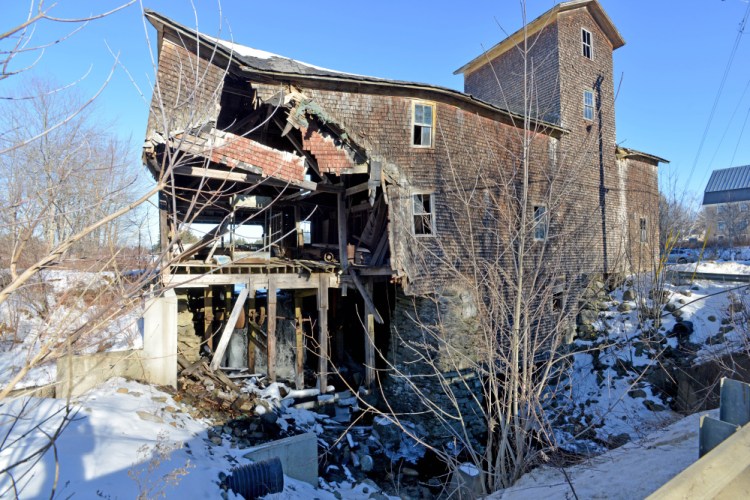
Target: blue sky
[(669, 70)]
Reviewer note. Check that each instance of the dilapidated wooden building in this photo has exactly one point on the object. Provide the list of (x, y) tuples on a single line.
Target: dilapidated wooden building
[(371, 193)]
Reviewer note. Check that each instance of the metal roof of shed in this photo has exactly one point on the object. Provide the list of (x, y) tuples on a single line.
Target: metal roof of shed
[(728, 185)]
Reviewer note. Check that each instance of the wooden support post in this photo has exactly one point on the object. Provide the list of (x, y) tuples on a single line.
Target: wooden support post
[(299, 380), (341, 223), (164, 224), (370, 343), (271, 330), (298, 227), (208, 317), (250, 343), (323, 334)]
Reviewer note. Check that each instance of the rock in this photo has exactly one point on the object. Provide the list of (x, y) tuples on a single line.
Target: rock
[(409, 472), (159, 399), (366, 463), (216, 440), (637, 393), (670, 307), (269, 417), (149, 417), (683, 329), (652, 406), (122, 390), (388, 433), (629, 295), (587, 317), (624, 307), (617, 440)]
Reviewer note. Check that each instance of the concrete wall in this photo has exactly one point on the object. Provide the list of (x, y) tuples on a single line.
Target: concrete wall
[(156, 363), (298, 455)]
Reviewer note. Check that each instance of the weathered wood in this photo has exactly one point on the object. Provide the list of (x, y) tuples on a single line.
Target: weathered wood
[(229, 329), (341, 221), (322, 337), (376, 258), (245, 178), (250, 334), (369, 304), (300, 365), (357, 189), (208, 318), (271, 330), (284, 281), (370, 344)]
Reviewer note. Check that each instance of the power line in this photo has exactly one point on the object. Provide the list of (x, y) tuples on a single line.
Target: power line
[(740, 32)]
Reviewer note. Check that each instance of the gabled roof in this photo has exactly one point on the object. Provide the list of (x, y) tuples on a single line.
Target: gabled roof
[(594, 8), (248, 61), (728, 185), (639, 155)]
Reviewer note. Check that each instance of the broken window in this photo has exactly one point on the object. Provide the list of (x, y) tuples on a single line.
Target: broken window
[(540, 222), (644, 231), (588, 104), (586, 47), (422, 123), (423, 214)]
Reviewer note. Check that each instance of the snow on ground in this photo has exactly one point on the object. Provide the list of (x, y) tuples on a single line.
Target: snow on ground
[(125, 439), (711, 266), (44, 314), (634, 470), (608, 397)]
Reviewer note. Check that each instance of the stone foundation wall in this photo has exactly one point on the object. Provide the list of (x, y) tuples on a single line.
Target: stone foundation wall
[(441, 329)]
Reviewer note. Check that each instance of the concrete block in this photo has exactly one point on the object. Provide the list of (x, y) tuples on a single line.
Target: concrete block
[(713, 432), (735, 402), (298, 455)]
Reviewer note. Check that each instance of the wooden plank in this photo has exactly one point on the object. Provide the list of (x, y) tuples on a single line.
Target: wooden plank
[(322, 337), (228, 329), (376, 258), (245, 178), (208, 317), (299, 378), (369, 304), (271, 330), (341, 222), (250, 336), (285, 281), (370, 344), (357, 189)]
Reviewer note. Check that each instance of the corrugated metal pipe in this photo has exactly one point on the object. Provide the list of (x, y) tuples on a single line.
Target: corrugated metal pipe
[(257, 479)]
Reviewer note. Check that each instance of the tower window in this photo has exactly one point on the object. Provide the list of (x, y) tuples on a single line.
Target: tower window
[(586, 48), (588, 105)]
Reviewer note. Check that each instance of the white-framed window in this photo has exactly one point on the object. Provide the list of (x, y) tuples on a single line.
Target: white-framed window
[(588, 104), (423, 214), (540, 222), (422, 124), (587, 49), (644, 230)]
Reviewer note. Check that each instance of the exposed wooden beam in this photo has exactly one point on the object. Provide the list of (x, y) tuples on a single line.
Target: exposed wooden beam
[(229, 329), (369, 304), (245, 178), (271, 330), (322, 337)]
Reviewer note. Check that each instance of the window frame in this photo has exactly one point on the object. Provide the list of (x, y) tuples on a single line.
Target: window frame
[(541, 223), (592, 106), (587, 44), (414, 124), (643, 229), (415, 214)]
